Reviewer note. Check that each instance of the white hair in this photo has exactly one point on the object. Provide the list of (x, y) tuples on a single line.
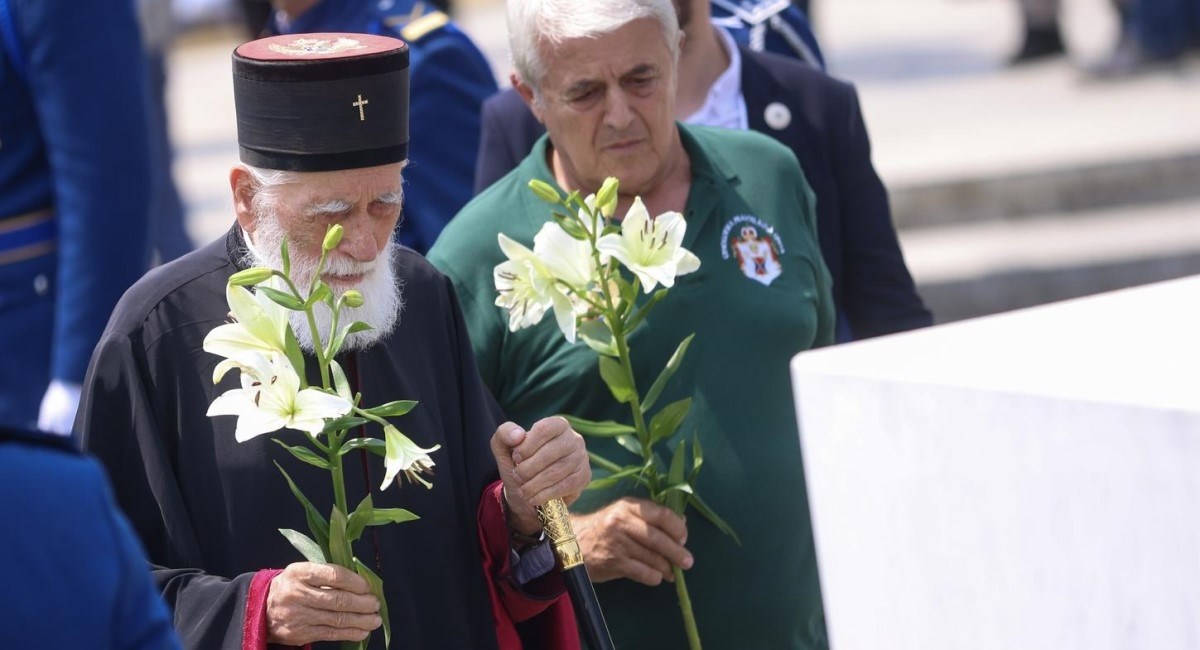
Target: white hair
[(537, 24)]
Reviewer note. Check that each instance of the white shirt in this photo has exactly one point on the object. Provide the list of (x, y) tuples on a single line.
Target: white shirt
[(725, 106)]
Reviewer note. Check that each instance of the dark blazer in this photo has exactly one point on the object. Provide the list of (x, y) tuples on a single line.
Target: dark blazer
[(872, 288)]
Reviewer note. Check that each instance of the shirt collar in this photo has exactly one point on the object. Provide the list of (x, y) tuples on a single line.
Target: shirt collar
[(724, 106)]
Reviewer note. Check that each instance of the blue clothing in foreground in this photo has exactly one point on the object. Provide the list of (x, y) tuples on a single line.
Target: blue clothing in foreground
[(74, 187), (75, 576), (448, 80)]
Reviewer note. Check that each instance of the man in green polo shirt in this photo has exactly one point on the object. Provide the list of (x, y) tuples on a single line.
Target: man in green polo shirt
[(601, 76)]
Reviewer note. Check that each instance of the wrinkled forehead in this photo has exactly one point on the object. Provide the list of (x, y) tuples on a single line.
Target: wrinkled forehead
[(638, 44), (346, 184)]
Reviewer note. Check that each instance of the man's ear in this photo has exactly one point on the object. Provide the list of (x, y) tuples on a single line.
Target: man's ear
[(242, 185), (526, 93)]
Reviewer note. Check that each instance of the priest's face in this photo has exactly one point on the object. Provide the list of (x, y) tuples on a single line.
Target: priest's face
[(367, 204), (608, 104)]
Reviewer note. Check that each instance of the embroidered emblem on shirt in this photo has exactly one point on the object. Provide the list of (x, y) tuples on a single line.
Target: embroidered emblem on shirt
[(307, 46), (756, 247)]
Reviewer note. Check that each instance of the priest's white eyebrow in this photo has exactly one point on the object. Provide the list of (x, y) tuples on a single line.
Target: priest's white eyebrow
[(338, 206)]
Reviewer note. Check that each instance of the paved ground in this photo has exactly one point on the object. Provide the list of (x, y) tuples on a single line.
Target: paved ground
[(955, 134)]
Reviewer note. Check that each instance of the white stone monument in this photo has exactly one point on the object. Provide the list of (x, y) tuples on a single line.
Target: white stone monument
[(1023, 481)]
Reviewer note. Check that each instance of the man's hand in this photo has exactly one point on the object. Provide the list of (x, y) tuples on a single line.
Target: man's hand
[(320, 602), (632, 538), (547, 462)]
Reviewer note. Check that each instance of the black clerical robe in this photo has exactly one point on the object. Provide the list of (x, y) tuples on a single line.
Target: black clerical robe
[(208, 509)]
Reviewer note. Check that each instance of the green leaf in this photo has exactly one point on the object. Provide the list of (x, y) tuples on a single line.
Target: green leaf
[(696, 502), (613, 479), (343, 423), (295, 355), (377, 589), (603, 463), (631, 444), (373, 445), (571, 226), (383, 516), (392, 409), (678, 459), (659, 384), (340, 337), (664, 423), (340, 383), (644, 310), (359, 519), (618, 382), (596, 334), (697, 459), (316, 522), (339, 546), (305, 454), (603, 429), (305, 544), (287, 258), (285, 300), (611, 230), (322, 292)]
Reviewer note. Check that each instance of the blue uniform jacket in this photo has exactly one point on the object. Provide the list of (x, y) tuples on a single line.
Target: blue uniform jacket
[(74, 186), (449, 79), (872, 287), (770, 26), (74, 574)]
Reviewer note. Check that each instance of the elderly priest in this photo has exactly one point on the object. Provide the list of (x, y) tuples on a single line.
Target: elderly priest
[(322, 128)]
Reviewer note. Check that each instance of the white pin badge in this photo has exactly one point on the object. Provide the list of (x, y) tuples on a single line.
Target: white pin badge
[(777, 115)]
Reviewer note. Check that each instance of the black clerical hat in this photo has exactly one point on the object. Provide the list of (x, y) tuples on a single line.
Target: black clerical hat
[(321, 102)]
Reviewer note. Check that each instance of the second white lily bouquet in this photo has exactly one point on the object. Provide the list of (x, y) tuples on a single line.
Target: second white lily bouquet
[(274, 394), (574, 270)]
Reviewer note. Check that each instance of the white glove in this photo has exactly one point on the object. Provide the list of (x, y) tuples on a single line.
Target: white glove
[(57, 414)]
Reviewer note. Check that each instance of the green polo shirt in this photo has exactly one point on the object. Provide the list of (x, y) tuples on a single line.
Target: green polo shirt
[(760, 296)]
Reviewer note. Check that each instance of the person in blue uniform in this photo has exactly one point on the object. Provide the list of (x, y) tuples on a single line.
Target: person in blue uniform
[(74, 194), (770, 26), (74, 573), (450, 79), (814, 115)]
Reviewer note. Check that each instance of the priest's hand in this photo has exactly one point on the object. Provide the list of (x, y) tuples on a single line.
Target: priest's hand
[(311, 602), (632, 538), (547, 462)]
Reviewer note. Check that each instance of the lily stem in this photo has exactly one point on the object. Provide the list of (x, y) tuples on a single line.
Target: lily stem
[(685, 606)]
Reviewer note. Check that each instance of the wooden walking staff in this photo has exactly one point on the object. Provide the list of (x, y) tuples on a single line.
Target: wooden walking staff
[(557, 523)]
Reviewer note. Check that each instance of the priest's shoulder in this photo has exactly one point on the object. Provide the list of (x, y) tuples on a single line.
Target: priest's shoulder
[(200, 274)]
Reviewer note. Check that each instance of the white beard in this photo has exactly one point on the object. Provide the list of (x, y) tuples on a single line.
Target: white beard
[(382, 295)]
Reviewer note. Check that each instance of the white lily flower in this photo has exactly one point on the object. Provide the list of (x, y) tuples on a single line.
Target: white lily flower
[(651, 248), (569, 261), (260, 324), (404, 455), (270, 398), (523, 284)]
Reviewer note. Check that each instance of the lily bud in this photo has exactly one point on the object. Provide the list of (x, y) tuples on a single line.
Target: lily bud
[(333, 237), (251, 276), (544, 191), (352, 299), (606, 198)]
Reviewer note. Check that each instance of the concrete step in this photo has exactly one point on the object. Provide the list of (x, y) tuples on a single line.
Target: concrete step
[(1034, 194), (972, 270)]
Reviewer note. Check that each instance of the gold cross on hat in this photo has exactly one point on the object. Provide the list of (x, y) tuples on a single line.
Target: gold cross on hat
[(359, 105)]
